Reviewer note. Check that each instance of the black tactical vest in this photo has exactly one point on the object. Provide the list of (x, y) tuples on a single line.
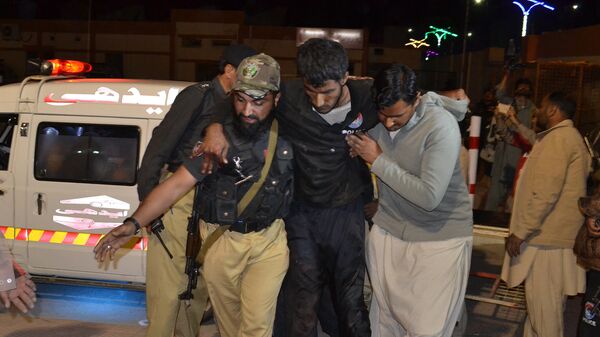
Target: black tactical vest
[(221, 194)]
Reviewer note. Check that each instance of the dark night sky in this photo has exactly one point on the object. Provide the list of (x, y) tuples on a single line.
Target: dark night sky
[(493, 22)]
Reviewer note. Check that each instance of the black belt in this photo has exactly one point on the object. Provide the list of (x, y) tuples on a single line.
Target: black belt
[(245, 226)]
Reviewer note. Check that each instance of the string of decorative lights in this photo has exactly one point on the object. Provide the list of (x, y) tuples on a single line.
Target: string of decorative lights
[(526, 12), (440, 34), (417, 43)]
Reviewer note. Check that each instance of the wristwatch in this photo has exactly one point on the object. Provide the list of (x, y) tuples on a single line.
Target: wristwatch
[(136, 223)]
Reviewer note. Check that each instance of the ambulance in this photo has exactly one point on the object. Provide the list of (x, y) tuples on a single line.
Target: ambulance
[(70, 147)]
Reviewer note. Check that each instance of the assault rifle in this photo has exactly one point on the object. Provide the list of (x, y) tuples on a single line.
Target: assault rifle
[(192, 247)]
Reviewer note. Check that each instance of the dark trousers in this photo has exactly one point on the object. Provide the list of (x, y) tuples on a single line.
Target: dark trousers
[(326, 249), (326, 314), (589, 325)]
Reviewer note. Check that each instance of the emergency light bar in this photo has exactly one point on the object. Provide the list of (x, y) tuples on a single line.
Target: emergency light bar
[(64, 67)]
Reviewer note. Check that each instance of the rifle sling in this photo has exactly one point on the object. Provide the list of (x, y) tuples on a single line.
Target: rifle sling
[(249, 195)]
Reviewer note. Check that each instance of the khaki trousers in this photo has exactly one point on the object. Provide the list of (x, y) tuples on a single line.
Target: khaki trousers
[(554, 274), (243, 274), (165, 279)]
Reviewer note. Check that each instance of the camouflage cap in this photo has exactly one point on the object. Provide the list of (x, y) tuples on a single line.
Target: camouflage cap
[(257, 75)]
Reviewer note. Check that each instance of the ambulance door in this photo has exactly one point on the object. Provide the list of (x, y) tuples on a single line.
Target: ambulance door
[(8, 123), (82, 184)]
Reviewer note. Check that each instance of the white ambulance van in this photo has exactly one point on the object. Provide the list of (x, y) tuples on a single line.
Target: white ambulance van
[(69, 151)]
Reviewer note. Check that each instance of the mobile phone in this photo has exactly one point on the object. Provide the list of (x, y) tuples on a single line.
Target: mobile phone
[(503, 108)]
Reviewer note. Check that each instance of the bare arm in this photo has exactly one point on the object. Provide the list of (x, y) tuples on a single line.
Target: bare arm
[(157, 202), (525, 132), (214, 147), (501, 87)]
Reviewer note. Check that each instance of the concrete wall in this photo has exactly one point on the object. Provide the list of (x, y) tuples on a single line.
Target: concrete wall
[(191, 43), (482, 69), (579, 44), (186, 48), (142, 48), (409, 56)]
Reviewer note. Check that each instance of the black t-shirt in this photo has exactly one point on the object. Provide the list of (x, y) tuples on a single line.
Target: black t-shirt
[(326, 175)]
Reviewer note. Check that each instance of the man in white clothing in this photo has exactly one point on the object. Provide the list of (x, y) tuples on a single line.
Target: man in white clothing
[(546, 218), (419, 249)]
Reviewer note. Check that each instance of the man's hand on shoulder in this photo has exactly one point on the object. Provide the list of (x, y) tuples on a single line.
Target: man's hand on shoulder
[(214, 148)]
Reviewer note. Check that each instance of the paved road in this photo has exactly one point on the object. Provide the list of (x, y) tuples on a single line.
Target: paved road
[(81, 311)]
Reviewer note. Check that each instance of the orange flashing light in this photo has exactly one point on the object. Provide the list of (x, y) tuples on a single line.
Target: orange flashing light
[(65, 67)]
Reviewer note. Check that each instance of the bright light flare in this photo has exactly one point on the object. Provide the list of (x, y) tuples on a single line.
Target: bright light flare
[(65, 67)]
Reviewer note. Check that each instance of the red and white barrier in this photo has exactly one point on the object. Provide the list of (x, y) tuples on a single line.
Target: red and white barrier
[(474, 133)]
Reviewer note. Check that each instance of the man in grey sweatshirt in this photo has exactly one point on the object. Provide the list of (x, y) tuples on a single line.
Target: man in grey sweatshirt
[(419, 249)]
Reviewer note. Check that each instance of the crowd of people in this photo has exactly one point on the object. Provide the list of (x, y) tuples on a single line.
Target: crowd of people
[(293, 225), (539, 168)]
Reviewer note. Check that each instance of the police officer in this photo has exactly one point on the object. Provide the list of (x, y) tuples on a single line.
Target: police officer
[(326, 229), (243, 268), (172, 141)]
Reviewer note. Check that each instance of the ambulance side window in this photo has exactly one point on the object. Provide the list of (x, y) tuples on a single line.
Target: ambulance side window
[(87, 153), (7, 127)]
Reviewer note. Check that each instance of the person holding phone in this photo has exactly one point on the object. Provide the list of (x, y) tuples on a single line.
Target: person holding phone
[(507, 154)]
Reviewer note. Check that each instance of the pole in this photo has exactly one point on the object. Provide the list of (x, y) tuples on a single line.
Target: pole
[(526, 12), (524, 28)]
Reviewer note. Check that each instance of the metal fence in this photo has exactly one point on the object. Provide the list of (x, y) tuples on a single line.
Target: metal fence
[(581, 80)]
